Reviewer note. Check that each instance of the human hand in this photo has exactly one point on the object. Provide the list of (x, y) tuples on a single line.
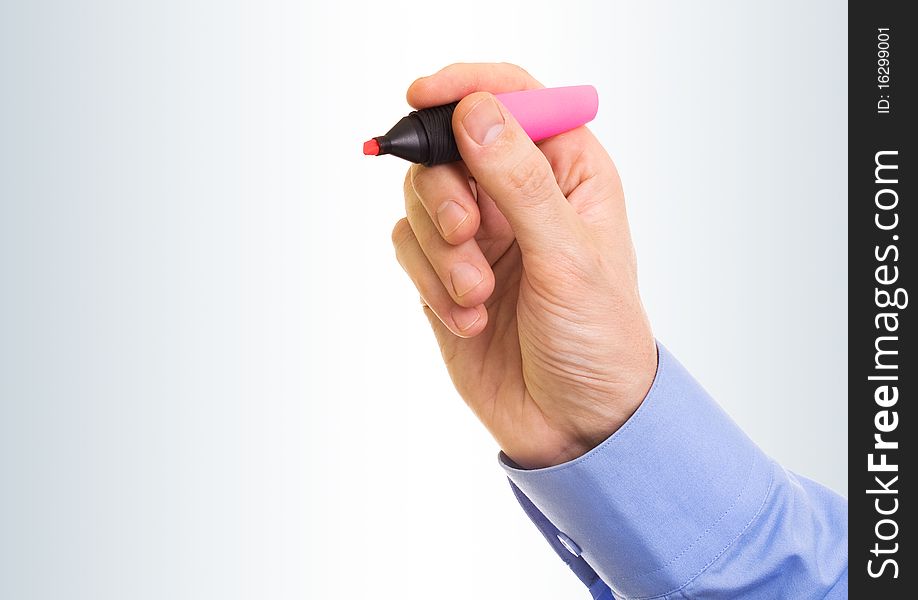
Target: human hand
[(526, 270)]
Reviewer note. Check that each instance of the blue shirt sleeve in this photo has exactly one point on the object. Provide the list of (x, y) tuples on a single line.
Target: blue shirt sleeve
[(680, 503)]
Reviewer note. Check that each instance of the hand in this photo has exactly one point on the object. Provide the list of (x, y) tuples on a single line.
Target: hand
[(525, 267)]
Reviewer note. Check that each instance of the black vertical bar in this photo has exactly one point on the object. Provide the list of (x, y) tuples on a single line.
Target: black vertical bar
[(883, 373)]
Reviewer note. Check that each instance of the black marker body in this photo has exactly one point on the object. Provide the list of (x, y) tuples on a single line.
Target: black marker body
[(424, 136)]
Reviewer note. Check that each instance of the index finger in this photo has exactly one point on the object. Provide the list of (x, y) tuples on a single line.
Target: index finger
[(461, 79)]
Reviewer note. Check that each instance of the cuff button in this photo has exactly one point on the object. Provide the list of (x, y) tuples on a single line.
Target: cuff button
[(569, 544)]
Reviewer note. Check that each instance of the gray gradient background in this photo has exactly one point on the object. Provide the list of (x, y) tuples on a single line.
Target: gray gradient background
[(216, 381)]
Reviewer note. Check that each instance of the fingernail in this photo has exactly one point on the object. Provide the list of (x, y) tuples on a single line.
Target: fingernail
[(464, 277), (484, 122), (464, 317), (450, 216)]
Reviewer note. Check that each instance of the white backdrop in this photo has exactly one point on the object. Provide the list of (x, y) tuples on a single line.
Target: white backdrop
[(215, 379)]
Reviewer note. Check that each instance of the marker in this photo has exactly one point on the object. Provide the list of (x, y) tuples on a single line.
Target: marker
[(426, 136)]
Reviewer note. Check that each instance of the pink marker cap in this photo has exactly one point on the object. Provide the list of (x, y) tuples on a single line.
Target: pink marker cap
[(546, 112)]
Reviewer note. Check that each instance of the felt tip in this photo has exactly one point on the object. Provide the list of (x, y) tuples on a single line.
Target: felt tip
[(371, 147)]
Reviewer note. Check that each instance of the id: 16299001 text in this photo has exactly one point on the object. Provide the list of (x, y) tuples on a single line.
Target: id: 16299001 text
[(883, 68)]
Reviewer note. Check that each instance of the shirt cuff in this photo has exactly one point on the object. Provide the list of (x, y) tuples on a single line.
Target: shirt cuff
[(663, 497)]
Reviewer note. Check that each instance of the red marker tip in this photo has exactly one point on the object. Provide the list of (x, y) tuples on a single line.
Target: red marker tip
[(371, 148)]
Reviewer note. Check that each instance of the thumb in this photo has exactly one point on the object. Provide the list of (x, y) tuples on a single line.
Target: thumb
[(515, 174)]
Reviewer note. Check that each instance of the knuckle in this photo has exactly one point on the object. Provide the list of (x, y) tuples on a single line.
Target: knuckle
[(531, 178), (522, 73), (417, 214), (514, 66), (417, 183), (401, 234)]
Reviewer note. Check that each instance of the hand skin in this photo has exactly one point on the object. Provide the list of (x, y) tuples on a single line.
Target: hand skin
[(529, 278)]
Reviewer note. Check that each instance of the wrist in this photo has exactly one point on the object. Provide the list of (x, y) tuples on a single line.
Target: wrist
[(582, 434)]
